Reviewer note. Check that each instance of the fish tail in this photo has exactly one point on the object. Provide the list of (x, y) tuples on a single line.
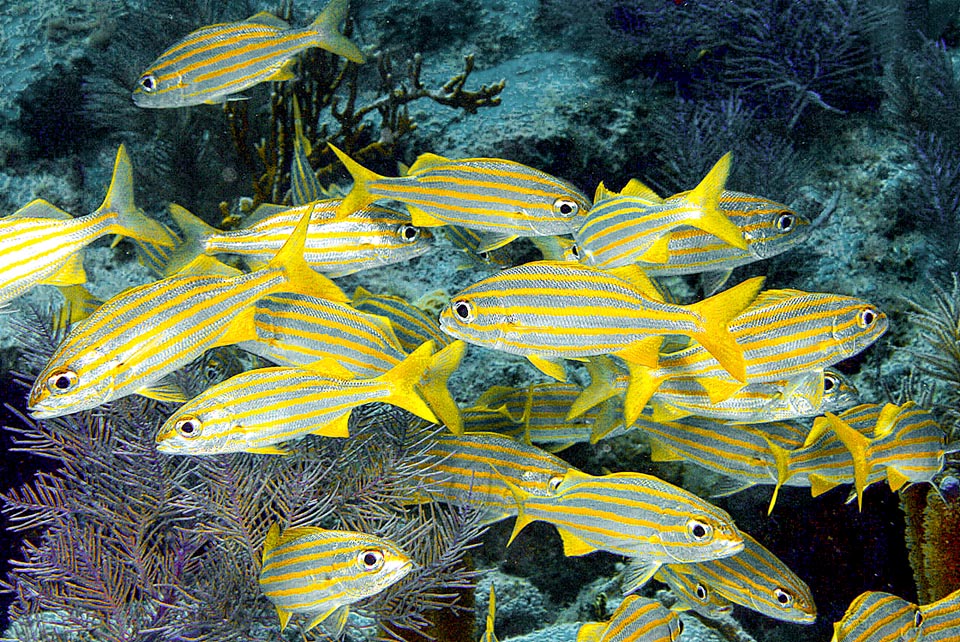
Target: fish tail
[(359, 195), (326, 28), (781, 457), (859, 447), (643, 383), (301, 278), (717, 312), (706, 198), (129, 220), (404, 381), (602, 386), (195, 235), (433, 385), (519, 496)]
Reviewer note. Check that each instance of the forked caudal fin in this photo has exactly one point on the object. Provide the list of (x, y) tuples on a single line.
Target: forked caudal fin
[(301, 279), (433, 385), (405, 378), (129, 220), (195, 235), (359, 195), (716, 313), (327, 29)]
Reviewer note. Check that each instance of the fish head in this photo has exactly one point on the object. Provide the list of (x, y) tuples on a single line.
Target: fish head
[(857, 325), (790, 603), (71, 383), (476, 316), (699, 531), (378, 563), (154, 90), (201, 427), (560, 212), (410, 240), (839, 393), (771, 228)]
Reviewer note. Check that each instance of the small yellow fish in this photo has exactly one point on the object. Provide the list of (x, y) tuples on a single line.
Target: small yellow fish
[(875, 616), (319, 573), (637, 619), (215, 63)]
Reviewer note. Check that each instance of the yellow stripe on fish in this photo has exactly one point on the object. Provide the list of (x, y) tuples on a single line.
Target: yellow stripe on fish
[(143, 334), (693, 594), (304, 186), (630, 514), (622, 229), (546, 310), (40, 244), (215, 63), (319, 573), (875, 616), (470, 243), (941, 619), (500, 197), (412, 325), (372, 237), (256, 410), (637, 619), (459, 471)]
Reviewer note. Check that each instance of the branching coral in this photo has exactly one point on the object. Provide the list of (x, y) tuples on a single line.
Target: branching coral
[(125, 543)]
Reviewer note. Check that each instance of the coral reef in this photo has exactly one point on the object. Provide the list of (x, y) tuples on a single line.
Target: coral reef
[(933, 540)]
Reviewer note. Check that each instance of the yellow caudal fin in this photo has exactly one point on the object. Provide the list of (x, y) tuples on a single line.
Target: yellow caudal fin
[(433, 385), (129, 220), (359, 195), (859, 447), (301, 279), (78, 304), (404, 379), (195, 236), (705, 197), (781, 458), (716, 314), (642, 360), (327, 30), (488, 633), (603, 386)]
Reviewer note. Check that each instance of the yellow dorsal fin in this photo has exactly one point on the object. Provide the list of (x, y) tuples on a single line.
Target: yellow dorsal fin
[(602, 193), (267, 18), (886, 420), (637, 189), (426, 161), (39, 208)]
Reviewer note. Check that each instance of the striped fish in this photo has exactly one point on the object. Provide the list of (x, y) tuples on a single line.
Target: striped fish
[(634, 225), (630, 514), (470, 243), (297, 330), (319, 573), (902, 443), (637, 619), (693, 594), (502, 198), (757, 579), (412, 325), (459, 470), (537, 414), (875, 616), (256, 410), (41, 244), (371, 237), (941, 619), (145, 333), (546, 310), (215, 63), (304, 186), (782, 334)]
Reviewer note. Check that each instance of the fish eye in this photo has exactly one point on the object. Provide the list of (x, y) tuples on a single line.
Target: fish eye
[(829, 382), (867, 317), (566, 207), (783, 598), (786, 221), (679, 628), (371, 560), (575, 251), (701, 592), (699, 530), (409, 233), (918, 619), (484, 256), (62, 380), (463, 310), (188, 427), (148, 83), (554, 483)]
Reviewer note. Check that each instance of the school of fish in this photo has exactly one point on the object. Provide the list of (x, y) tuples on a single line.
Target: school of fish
[(723, 382)]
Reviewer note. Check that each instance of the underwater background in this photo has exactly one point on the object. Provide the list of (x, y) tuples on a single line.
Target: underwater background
[(848, 112)]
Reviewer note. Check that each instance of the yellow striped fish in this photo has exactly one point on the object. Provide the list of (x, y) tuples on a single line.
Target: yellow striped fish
[(458, 470), (145, 333), (215, 63), (537, 414), (637, 619), (297, 330), (941, 619), (757, 579), (693, 594), (304, 186), (372, 237), (412, 325), (547, 310), (470, 243), (875, 616), (319, 573), (633, 225), (502, 198), (256, 410), (41, 244), (630, 514)]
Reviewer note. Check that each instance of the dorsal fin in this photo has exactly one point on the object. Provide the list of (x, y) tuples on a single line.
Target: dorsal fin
[(267, 18), (426, 161)]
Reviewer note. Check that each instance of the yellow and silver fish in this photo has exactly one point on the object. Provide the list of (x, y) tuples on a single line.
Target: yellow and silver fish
[(319, 573), (215, 63), (693, 594), (256, 410), (145, 333), (546, 310), (304, 186), (372, 237), (941, 619), (637, 619), (633, 225), (876, 616), (470, 243), (412, 325), (41, 244), (502, 198)]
